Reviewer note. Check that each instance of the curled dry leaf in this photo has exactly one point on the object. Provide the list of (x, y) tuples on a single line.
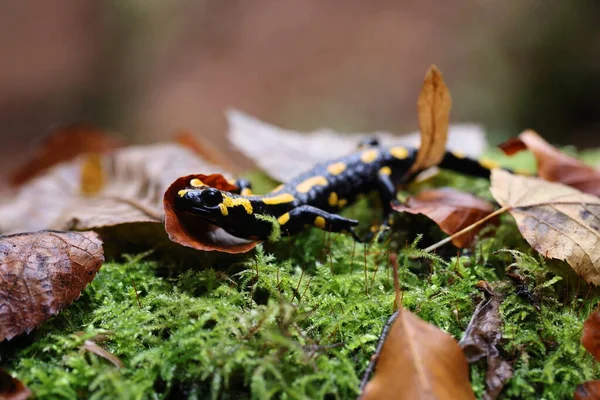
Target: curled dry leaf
[(192, 231), (433, 107), (283, 153), (418, 361), (451, 210), (556, 220), (12, 388), (554, 165), (480, 340), (92, 347), (135, 179), (65, 144), (588, 391), (41, 273), (590, 339)]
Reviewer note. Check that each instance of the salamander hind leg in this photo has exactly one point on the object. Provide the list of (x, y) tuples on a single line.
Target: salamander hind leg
[(294, 221)]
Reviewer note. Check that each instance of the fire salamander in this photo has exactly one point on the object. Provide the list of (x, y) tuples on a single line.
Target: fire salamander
[(314, 197)]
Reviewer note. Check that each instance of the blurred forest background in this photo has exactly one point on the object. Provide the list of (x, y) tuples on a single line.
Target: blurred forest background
[(147, 68)]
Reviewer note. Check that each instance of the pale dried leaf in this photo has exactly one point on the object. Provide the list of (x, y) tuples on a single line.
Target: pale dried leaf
[(419, 361), (433, 108), (136, 178), (556, 220), (284, 153), (41, 273)]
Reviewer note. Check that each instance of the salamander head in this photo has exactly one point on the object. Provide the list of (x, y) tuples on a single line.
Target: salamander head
[(224, 209)]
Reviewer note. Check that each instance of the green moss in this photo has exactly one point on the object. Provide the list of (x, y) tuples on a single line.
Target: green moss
[(300, 318)]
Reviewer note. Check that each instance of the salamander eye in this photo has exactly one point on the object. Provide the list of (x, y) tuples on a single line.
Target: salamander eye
[(211, 197)]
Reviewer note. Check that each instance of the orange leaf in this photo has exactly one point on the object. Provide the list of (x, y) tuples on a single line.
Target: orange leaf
[(433, 108), (554, 165), (451, 210), (588, 391), (591, 335), (62, 145), (419, 361), (192, 231), (12, 388)]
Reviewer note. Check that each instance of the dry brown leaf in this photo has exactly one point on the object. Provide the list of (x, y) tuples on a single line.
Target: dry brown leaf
[(135, 181), (480, 340), (433, 107), (419, 361), (65, 144), (92, 347), (41, 273), (590, 339), (556, 220), (554, 165), (12, 388), (191, 231), (204, 149), (588, 391), (283, 153), (451, 210)]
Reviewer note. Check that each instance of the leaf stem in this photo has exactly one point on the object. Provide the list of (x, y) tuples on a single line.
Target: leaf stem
[(467, 229)]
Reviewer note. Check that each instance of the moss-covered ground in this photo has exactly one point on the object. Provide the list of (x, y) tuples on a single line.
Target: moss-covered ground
[(299, 319)]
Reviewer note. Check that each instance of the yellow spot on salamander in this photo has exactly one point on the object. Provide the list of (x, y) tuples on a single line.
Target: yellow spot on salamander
[(399, 152), (386, 171), (246, 192), (489, 164), (319, 222), (308, 184), (283, 219), (277, 189), (369, 156), (458, 154), (342, 202), (224, 210), (279, 199), (333, 199), (182, 192), (196, 183), (336, 168), (230, 202)]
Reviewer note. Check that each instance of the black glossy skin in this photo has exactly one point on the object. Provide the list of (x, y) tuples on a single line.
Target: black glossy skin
[(361, 175)]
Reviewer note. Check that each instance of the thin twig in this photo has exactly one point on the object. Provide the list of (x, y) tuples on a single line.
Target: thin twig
[(136, 294)]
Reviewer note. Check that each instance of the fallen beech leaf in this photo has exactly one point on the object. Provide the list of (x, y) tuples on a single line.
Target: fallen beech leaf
[(590, 339), (12, 388), (283, 153), (480, 340), (556, 220), (554, 165), (92, 347), (418, 361), (450, 209), (588, 391), (433, 107), (192, 231), (41, 273), (203, 148), (65, 144), (135, 179)]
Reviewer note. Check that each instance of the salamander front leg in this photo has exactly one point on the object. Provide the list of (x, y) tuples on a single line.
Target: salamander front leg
[(294, 221), (387, 194), (244, 187)]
